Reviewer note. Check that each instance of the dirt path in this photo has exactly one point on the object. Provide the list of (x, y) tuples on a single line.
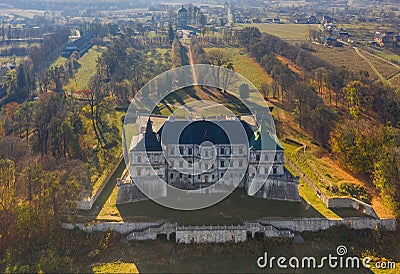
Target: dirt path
[(357, 50)]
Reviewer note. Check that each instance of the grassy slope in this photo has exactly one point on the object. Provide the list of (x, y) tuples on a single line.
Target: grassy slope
[(86, 71)]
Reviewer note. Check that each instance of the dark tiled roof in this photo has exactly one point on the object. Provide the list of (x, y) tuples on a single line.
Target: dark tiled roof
[(182, 9), (216, 132), (197, 132)]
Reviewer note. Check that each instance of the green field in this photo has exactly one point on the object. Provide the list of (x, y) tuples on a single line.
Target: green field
[(85, 72), (115, 267), (285, 31), (390, 56), (60, 61), (247, 67)]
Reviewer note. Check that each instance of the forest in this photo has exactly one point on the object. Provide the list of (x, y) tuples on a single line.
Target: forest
[(55, 145)]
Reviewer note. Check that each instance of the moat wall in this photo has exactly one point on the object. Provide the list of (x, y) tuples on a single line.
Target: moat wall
[(236, 233)]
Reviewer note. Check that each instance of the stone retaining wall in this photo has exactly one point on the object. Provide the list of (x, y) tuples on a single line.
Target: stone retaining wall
[(237, 233), (317, 224), (333, 202), (211, 234), (88, 204)]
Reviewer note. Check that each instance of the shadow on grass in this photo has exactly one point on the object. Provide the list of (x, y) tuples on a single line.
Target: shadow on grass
[(235, 209)]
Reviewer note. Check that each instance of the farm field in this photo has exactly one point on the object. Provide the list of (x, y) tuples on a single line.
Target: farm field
[(345, 56), (385, 69), (285, 31)]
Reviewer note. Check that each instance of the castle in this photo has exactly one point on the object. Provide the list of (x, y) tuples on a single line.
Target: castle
[(204, 142)]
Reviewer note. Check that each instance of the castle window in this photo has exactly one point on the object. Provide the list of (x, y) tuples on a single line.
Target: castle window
[(139, 159), (206, 166), (172, 151), (139, 172), (206, 153), (274, 170), (222, 163), (257, 157), (180, 175), (222, 151), (266, 157), (240, 150), (240, 163), (171, 175), (190, 151), (276, 157)]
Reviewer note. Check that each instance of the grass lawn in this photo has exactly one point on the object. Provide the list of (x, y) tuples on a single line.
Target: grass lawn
[(387, 54), (60, 61), (235, 209), (12, 59), (89, 139), (247, 66), (285, 31), (163, 256), (187, 95), (395, 81), (86, 71), (117, 267)]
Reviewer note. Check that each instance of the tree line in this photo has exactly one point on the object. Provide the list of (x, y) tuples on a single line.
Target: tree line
[(53, 148), (197, 51), (352, 115)]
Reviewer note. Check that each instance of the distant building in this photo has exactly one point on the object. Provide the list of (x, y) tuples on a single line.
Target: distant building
[(81, 45), (182, 18), (332, 42)]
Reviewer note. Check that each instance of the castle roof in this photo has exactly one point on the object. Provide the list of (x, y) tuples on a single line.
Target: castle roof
[(182, 9), (198, 132)]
